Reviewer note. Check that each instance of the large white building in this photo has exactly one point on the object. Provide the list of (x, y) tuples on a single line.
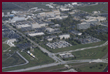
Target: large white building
[(65, 36), (52, 13), (83, 25), (64, 9), (15, 19), (8, 13), (50, 29), (2, 14), (98, 19), (76, 32), (23, 26), (74, 3), (14, 12), (36, 34), (38, 25), (10, 42)]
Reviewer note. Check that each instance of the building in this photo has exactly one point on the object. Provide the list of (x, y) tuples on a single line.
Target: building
[(76, 32), (8, 13), (66, 55), (64, 9), (52, 13), (15, 19), (56, 12), (83, 25), (23, 26), (50, 38), (10, 42), (36, 34), (74, 3), (11, 15), (3, 14), (50, 29), (65, 36), (98, 19), (96, 12), (14, 12), (38, 25)]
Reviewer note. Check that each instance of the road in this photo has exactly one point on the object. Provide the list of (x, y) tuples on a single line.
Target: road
[(55, 64), (106, 43)]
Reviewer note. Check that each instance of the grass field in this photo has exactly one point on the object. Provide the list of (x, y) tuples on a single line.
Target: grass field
[(72, 47), (5, 46), (99, 67), (91, 53), (11, 61), (98, 7), (42, 59), (4, 39)]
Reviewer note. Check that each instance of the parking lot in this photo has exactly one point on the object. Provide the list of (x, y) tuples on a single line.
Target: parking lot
[(87, 40), (7, 33), (59, 44), (23, 46)]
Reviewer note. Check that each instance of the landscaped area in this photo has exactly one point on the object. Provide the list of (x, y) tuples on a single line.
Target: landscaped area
[(72, 47), (94, 53), (99, 7), (5, 47), (99, 67), (11, 60), (40, 59)]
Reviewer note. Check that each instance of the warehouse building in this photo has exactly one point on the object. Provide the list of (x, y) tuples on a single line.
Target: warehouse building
[(53, 13), (50, 38), (83, 25), (65, 36), (3, 14), (36, 34), (15, 19), (50, 29), (66, 55), (23, 26), (64, 9), (10, 42), (76, 32), (38, 25)]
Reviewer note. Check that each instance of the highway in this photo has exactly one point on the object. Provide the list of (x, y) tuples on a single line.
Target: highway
[(55, 64)]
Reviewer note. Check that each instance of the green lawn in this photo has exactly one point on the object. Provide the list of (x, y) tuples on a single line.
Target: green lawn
[(4, 39), (11, 61), (5, 46), (91, 53), (72, 47), (42, 59), (98, 7), (99, 67)]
